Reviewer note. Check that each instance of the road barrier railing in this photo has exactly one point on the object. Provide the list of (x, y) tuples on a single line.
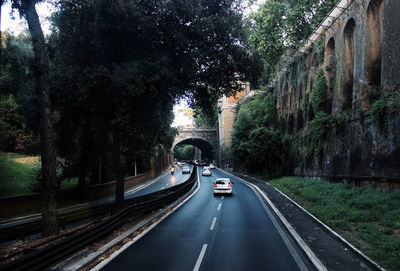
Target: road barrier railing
[(42, 258)]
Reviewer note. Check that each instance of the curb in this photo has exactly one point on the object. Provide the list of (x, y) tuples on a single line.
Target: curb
[(337, 236)]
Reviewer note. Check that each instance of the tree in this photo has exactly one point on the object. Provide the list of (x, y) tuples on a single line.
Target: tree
[(205, 109), (268, 34), (10, 123), (256, 139), (17, 80), (184, 152), (49, 207), (265, 147), (280, 25), (120, 81)]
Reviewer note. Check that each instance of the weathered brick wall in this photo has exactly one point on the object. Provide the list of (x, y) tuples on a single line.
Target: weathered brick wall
[(360, 57)]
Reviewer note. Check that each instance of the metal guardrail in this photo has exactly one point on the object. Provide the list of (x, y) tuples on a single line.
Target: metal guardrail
[(42, 258), (338, 178), (25, 229)]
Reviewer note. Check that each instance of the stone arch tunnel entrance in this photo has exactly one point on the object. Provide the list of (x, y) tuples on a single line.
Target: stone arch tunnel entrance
[(203, 139)]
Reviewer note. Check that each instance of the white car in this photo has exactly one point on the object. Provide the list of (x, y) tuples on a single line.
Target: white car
[(185, 169), (212, 166), (223, 186), (206, 171)]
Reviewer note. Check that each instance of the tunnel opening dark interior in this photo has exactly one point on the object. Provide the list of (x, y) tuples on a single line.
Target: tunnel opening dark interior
[(207, 150)]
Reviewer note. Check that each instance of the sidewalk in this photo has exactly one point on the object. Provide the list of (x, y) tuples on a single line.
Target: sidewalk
[(332, 252)]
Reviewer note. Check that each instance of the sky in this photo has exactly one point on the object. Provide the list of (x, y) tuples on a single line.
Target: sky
[(180, 118), (15, 25)]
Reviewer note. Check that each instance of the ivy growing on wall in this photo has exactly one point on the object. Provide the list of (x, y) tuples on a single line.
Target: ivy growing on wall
[(305, 78), (320, 50), (383, 107), (319, 96), (294, 74), (304, 104), (314, 141)]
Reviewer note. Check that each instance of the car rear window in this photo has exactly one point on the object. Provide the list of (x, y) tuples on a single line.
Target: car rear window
[(221, 182)]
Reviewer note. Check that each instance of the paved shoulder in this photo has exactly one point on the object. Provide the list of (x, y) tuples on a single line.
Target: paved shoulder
[(330, 251)]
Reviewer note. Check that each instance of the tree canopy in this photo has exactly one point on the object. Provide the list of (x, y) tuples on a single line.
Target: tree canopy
[(281, 25), (256, 139), (115, 70)]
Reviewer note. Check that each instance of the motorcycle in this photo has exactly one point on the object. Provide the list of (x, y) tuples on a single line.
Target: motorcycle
[(172, 170)]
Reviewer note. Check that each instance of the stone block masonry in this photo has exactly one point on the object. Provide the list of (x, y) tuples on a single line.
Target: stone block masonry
[(360, 58)]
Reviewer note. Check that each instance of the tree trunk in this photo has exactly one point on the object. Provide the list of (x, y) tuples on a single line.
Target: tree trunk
[(49, 205), (119, 185), (86, 146)]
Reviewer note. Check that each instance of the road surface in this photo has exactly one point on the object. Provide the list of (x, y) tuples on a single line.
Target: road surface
[(161, 183), (213, 233)]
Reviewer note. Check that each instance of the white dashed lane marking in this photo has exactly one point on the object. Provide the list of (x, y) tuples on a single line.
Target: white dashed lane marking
[(213, 223), (200, 258)]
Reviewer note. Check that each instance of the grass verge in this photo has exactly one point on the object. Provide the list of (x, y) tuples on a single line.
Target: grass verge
[(368, 219), (17, 173)]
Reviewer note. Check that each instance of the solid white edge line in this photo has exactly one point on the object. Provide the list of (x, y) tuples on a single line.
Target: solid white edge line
[(200, 258), (326, 227), (219, 206), (140, 187), (310, 254), (213, 224), (330, 230), (116, 253)]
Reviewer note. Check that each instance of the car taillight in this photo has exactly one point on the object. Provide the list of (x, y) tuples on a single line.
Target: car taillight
[(215, 185), (229, 185)]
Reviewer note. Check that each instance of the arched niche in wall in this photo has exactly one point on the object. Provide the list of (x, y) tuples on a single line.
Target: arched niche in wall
[(373, 43), (330, 69), (348, 35)]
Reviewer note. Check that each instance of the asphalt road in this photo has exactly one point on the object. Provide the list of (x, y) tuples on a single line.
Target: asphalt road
[(163, 182), (213, 233)]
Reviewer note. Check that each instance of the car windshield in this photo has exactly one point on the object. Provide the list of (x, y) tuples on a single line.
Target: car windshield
[(221, 182)]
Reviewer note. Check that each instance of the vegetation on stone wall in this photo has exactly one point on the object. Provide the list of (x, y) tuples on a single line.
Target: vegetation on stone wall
[(294, 74), (284, 25), (314, 140), (382, 107), (304, 104), (319, 95), (256, 138), (320, 50)]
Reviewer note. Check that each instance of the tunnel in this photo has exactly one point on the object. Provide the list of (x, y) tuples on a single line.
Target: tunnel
[(207, 150)]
